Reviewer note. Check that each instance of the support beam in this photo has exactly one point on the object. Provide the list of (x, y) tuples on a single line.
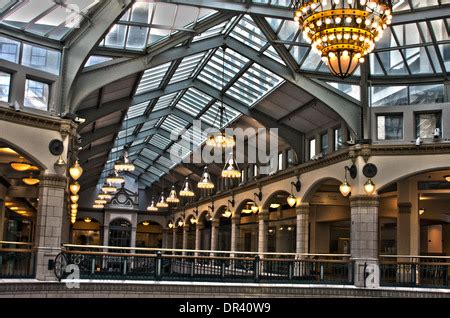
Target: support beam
[(83, 42), (91, 81), (94, 113), (87, 138), (84, 155)]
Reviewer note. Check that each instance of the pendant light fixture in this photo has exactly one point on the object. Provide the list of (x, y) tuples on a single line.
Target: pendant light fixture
[(221, 138), (369, 187), (74, 198), (205, 182), (447, 178), (98, 206), (20, 165), (162, 202), (108, 188), (231, 169), (152, 207), (173, 198), (31, 181), (186, 191), (114, 178), (124, 163), (105, 196), (76, 171), (75, 188)]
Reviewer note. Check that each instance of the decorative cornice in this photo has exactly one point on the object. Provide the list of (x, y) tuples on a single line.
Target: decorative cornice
[(364, 201), (65, 127), (54, 181), (404, 207)]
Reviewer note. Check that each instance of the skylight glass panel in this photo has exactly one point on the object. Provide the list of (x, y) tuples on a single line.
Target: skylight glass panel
[(159, 141), (165, 101), (174, 124), (137, 110), (211, 116), (188, 67), (149, 154), (97, 59), (272, 53), (138, 142), (156, 172), (248, 33), (165, 162), (215, 30), (149, 125), (178, 152), (152, 78), (193, 102), (353, 91), (123, 133), (140, 164)]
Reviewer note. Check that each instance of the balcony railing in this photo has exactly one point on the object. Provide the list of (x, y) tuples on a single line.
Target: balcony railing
[(213, 266), (415, 271), (16, 260)]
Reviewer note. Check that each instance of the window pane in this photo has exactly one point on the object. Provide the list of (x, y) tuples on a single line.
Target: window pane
[(428, 125), (5, 81), (36, 95), (338, 143), (389, 96), (324, 144), (426, 94), (312, 148), (390, 127), (41, 59), (280, 161), (9, 50)]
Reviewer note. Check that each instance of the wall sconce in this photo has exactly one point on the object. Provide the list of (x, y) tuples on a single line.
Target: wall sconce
[(345, 187), (180, 223), (292, 199), (447, 178), (370, 171), (421, 211), (170, 225)]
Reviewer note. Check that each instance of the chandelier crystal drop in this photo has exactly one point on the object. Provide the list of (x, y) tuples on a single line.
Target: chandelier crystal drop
[(205, 182), (231, 169), (173, 198), (343, 32), (187, 191)]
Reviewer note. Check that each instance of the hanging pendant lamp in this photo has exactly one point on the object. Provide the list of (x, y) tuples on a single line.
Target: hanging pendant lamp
[(187, 192), (231, 169), (173, 198), (205, 182)]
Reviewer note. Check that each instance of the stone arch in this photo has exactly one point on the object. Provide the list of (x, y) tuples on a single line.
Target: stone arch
[(219, 212), (24, 153), (314, 187), (121, 217), (240, 206), (271, 197)]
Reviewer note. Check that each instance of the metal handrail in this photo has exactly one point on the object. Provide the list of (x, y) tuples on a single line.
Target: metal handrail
[(16, 243), (414, 256)]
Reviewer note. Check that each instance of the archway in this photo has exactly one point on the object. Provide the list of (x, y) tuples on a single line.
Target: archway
[(329, 218), (281, 226), (149, 235), (191, 229), (205, 223), (179, 229), (120, 233), (86, 231), (247, 230)]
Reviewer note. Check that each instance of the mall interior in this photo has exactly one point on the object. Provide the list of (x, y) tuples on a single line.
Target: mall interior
[(272, 147)]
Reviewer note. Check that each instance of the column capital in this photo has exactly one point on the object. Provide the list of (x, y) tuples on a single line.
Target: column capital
[(185, 229), (302, 209), (364, 201), (53, 181), (199, 226), (215, 223), (404, 207)]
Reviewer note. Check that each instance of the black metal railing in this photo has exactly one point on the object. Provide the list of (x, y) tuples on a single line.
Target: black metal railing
[(16, 260), (207, 268), (420, 272)]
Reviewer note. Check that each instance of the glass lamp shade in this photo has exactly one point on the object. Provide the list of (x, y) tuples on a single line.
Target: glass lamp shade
[(292, 200), (124, 164), (20, 165), (180, 223), (87, 220), (173, 198), (74, 206), (60, 166), (76, 171), (205, 182), (162, 202), (343, 32), (345, 188), (255, 208), (73, 220), (220, 139), (187, 191), (369, 187), (170, 225), (105, 196), (75, 188), (194, 220), (421, 211), (31, 181), (98, 206), (74, 198), (231, 169), (145, 223), (447, 178), (114, 178), (152, 207), (107, 188), (99, 201), (227, 214)]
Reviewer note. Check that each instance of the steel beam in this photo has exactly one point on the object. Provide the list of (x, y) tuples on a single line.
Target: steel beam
[(87, 138)]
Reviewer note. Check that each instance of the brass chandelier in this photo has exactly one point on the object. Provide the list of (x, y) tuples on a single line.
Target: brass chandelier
[(343, 32)]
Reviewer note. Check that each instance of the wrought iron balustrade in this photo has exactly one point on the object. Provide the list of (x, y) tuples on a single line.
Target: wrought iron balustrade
[(16, 260)]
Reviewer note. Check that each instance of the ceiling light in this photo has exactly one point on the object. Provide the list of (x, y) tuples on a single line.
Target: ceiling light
[(275, 205), (76, 171), (173, 198), (98, 206), (114, 178), (205, 182), (194, 220), (145, 223), (107, 188), (345, 188), (102, 202), (31, 181), (74, 206), (20, 165), (227, 214), (60, 166), (187, 191), (343, 32), (74, 198), (87, 220), (447, 178), (255, 208), (180, 223), (14, 208), (170, 225), (105, 196), (231, 169)]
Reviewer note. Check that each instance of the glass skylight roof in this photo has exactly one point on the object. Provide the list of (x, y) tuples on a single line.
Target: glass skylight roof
[(47, 18), (152, 78)]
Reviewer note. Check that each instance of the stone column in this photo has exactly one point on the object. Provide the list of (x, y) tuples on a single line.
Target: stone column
[(302, 241), (404, 228), (106, 236), (133, 236), (174, 238), (198, 237), (234, 233), (2, 220), (185, 238), (49, 221), (165, 238), (263, 217), (214, 234), (364, 240)]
